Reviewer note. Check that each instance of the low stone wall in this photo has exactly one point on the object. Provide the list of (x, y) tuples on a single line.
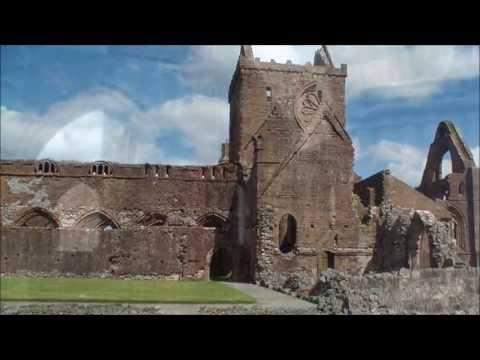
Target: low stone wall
[(170, 252), (427, 291)]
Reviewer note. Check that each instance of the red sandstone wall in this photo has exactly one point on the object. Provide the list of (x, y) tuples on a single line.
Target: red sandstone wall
[(182, 199), (177, 252), (402, 195)]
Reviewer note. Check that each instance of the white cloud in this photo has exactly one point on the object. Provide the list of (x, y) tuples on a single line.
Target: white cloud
[(407, 162), (413, 72), (476, 155), (105, 124)]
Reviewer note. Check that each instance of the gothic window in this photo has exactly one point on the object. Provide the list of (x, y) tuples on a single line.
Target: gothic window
[(97, 221), (37, 217), (268, 93), (101, 168), (212, 221), (47, 167), (287, 233)]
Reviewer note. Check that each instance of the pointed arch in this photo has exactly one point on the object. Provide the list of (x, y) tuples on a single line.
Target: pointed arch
[(458, 230), (213, 220), (37, 217), (98, 220), (447, 139), (46, 166)]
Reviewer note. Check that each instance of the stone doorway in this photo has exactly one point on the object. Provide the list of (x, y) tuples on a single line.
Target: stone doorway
[(221, 265)]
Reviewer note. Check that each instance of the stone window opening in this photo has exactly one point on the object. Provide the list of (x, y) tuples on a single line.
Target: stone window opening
[(287, 234), (167, 171), (330, 260), (47, 167), (214, 172), (101, 168), (461, 188), (37, 217), (319, 95), (157, 170), (268, 92), (97, 221), (204, 171)]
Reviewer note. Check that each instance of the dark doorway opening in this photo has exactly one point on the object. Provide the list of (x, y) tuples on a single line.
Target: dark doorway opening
[(287, 233), (331, 260), (221, 265)]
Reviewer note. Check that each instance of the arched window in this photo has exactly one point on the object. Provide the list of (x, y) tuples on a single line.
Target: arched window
[(98, 221), (101, 168), (287, 233), (458, 228), (37, 217), (212, 221), (47, 167), (268, 93), (461, 188), (446, 166)]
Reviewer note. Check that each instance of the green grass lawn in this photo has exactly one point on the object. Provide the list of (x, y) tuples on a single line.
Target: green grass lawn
[(119, 291)]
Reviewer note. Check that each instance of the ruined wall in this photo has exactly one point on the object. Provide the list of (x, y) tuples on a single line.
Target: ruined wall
[(170, 252), (382, 188), (183, 197), (426, 291)]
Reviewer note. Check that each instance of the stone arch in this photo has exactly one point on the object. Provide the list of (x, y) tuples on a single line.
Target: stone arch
[(220, 258), (97, 220), (458, 230), (101, 168), (419, 245), (287, 233), (46, 166), (447, 139), (37, 217), (213, 220), (221, 263)]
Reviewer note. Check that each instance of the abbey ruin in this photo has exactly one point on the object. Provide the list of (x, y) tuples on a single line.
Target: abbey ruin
[(283, 204)]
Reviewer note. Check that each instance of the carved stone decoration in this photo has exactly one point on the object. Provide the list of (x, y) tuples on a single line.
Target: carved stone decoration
[(307, 105)]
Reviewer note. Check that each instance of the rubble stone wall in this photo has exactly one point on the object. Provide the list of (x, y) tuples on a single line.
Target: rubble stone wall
[(426, 291), (170, 252)]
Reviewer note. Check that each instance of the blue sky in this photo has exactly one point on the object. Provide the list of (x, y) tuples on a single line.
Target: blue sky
[(168, 104)]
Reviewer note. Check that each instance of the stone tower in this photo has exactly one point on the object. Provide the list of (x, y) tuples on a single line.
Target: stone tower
[(288, 138)]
